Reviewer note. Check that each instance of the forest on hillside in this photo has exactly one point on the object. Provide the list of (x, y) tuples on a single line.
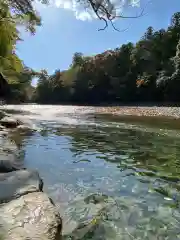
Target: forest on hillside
[(147, 71)]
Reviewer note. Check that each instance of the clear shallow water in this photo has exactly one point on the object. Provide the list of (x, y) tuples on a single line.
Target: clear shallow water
[(136, 164)]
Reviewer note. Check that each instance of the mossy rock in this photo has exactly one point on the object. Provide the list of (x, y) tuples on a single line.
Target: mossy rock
[(96, 198)]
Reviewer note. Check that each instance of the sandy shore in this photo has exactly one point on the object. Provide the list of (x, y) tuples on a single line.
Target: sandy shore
[(173, 112)]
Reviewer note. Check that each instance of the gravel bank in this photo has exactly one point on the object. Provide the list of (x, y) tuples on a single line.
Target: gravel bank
[(173, 112)]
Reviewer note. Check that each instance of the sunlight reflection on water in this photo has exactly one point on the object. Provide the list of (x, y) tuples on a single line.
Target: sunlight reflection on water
[(136, 166)]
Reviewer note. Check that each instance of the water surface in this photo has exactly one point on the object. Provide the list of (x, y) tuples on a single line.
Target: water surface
[(134, 163)]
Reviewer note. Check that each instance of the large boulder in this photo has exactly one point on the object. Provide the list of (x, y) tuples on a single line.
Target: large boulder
[(10, 157), (10, 122), (2, 114), (9, 161), (32, 216), (18, 183)]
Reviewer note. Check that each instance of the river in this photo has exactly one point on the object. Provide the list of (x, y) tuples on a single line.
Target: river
[(135, 164)]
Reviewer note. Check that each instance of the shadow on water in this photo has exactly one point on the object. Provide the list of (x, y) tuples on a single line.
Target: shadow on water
[(132, 162)]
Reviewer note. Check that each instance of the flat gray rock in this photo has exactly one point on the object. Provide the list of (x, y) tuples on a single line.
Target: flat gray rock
[(9, 122), (2, 114), (3, 131), (96, 198), (7, 143), (9, 161), (30, 217), (2, 128), (10, 158), (18, 183), (24, 127)]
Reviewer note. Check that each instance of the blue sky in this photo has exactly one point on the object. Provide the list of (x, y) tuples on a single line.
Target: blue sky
[(62, 34)]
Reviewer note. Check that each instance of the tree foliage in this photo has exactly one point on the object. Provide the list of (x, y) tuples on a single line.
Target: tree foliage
[(146, 71), (9, 61), (12, 68), (104, 10)]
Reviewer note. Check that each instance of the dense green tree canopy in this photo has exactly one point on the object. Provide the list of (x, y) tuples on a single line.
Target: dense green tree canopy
[(14, 13), (146, 71)]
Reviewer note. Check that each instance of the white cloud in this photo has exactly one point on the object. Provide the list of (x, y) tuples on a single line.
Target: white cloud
[(84, 16), (79, 11), (64, 4), (87, 14)]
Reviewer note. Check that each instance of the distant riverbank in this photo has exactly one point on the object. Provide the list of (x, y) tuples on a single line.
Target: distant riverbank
[(172, 112), (138, 110)]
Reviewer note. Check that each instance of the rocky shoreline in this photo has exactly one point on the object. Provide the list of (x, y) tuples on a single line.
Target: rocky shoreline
[(26, 212), (171, 112)]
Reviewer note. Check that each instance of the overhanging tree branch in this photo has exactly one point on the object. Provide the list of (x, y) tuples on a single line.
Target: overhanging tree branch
[(104, 11)]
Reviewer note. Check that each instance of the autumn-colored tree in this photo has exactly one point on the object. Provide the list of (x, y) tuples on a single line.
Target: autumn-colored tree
[(146, 71)]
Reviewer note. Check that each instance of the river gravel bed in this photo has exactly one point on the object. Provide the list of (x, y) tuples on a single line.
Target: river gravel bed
[(173, 112)]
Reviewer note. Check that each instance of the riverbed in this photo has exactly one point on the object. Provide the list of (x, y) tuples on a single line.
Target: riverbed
[(146, 111), (133, 162)]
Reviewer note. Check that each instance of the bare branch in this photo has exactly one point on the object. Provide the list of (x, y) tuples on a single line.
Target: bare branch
[(104, 11), (123, 30), (106, 24), (138, 16)]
